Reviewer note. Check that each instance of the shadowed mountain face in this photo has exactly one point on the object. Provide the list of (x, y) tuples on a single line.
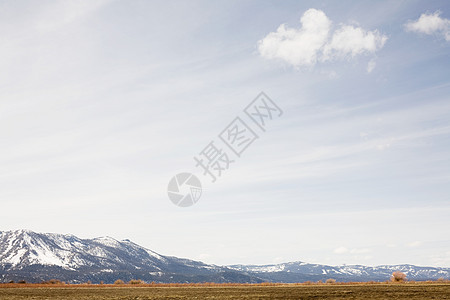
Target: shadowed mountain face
[(36, 257)]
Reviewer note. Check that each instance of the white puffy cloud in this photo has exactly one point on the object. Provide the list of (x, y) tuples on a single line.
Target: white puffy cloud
[(340, 250), (414, 244), (430, 24), (298, 46), (349, 41), (314, 41)]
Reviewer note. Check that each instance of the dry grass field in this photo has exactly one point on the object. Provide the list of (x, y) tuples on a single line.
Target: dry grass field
[(409, 291)]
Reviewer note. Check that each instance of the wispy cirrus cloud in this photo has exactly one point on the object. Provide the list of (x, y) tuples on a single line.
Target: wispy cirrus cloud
[(344, 250)]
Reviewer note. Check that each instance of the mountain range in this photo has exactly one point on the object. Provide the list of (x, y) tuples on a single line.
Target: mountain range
[(36, 257)]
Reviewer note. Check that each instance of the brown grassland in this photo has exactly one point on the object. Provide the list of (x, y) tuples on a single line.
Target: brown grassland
[(374, 290)]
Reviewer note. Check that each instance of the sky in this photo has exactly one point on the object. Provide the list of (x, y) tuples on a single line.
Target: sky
[(103, 102)]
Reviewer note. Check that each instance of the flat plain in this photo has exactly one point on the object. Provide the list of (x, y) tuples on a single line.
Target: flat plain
[(335, 291)]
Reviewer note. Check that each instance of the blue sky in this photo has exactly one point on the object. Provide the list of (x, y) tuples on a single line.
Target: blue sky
[(102, 102)]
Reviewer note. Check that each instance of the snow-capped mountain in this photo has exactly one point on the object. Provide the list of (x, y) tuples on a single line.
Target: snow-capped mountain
[(36, 257), (22, 248), (300, 271)]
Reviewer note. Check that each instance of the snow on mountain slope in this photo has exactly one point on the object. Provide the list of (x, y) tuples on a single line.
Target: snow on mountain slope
[(41, 256), (353, 272), (23, 248)]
